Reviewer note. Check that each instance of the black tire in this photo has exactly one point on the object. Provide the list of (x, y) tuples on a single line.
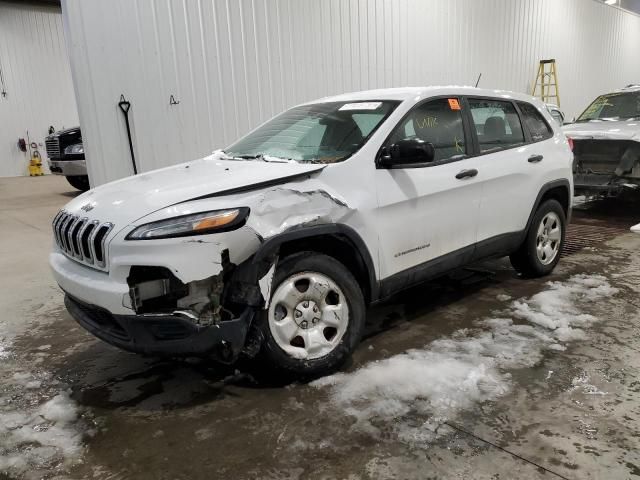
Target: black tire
[(525, 260), (81, 182), (280, 360)]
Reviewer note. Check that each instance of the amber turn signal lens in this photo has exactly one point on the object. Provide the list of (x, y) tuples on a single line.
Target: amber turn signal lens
[(215, 221)]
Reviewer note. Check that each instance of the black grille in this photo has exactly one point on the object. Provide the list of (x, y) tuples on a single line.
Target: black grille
[(82, 239), (53, 147)]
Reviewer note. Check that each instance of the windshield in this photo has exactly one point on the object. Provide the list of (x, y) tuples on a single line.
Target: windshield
[(614, 106), (318, 133)]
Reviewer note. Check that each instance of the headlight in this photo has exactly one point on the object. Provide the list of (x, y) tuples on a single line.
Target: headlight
[(77, 148), (195, 224)]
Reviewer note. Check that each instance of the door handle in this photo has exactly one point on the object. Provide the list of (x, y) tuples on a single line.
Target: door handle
[(467, 174), (535, 158)]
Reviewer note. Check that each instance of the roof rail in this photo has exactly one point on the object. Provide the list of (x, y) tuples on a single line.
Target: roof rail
[(633, 85)]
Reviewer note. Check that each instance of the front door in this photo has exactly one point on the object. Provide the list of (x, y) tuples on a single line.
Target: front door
[(429, 214)]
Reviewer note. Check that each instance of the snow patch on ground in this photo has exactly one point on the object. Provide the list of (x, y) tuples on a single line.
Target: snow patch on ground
[(418, 391), (40, 425), (4, 350), (583, 383)]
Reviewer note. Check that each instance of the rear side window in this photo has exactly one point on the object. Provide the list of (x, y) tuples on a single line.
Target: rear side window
[(497, 124), (438, 122), (538, 127)]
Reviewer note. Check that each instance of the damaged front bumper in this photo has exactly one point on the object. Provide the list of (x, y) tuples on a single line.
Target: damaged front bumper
[(175, 297), (163, 334)]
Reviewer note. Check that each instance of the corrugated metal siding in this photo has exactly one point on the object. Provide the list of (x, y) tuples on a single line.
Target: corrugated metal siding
[(235, 63), (37, 79)]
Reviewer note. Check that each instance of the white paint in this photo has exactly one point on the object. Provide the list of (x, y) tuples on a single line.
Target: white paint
[(387, 208), (604, 130), (233, 64), (265, 284), (132, 198), (37, 79)]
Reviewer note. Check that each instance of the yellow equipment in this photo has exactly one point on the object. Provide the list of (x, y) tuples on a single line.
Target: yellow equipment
[(35, 164), (547, 80)]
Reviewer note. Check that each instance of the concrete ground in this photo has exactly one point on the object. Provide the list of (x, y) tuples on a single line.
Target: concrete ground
[(506, 378)]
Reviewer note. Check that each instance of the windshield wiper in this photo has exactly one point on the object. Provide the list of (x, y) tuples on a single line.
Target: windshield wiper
[(264, 158)]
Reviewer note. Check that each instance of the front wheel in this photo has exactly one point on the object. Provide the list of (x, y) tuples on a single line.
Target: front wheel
[(540, 252), (316, 315), (81, 182)]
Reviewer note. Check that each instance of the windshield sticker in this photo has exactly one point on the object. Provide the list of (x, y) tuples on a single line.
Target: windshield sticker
[(361, 106), (453, 104)]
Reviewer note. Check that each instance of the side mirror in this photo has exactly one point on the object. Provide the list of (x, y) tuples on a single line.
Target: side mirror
[(407, 153)]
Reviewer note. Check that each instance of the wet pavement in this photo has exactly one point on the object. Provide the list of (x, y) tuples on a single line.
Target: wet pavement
[(554, 401)]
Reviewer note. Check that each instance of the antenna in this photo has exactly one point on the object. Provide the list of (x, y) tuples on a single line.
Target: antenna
[(478, 81)]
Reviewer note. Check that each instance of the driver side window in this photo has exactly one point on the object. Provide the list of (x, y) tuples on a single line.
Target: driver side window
[(438, 122)]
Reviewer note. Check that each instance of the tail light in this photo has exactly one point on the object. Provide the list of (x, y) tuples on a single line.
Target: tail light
[(570, 140)]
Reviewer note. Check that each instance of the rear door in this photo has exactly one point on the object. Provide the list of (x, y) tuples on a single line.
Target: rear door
[(431, 212), (512, 169)]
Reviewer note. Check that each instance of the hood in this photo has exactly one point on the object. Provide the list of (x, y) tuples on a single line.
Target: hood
[(65, 132), (604, 130), (124, 201)]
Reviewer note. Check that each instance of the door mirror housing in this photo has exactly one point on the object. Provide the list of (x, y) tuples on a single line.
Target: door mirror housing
[(407, 153)]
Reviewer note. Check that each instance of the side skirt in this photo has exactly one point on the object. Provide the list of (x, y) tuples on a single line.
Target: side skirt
[(494, 247)]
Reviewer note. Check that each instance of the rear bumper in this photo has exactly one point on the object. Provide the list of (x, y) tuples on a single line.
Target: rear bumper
[(603, 183), (68, 168), (163, 334)]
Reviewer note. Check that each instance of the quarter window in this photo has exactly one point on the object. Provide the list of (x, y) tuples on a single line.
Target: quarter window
[(557, 116), (438, 122), (497, 124), (536, 124)]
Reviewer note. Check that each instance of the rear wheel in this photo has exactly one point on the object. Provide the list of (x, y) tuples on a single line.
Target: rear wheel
[(81, 182), (540, 252), (316, 315)]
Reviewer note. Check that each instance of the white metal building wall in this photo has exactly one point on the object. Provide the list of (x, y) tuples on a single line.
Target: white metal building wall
[(37, 80), (235, 63)]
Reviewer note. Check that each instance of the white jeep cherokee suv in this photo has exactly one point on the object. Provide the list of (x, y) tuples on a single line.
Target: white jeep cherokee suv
[(275, 245)]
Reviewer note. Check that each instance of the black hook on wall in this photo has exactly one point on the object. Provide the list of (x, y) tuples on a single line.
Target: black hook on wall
[(125, 105), (173, 101)]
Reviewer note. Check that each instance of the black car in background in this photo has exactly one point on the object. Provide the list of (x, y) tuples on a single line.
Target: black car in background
[(66, 157)]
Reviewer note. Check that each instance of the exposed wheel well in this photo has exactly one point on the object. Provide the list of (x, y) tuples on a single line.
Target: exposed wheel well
[(339, 247), (561, 194)]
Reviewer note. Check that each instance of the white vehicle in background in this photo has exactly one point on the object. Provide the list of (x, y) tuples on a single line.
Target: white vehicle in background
[(275, 246), (556, 113), (606, 139)]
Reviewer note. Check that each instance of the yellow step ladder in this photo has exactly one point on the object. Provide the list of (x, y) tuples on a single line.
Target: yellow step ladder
[(547, 82)]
